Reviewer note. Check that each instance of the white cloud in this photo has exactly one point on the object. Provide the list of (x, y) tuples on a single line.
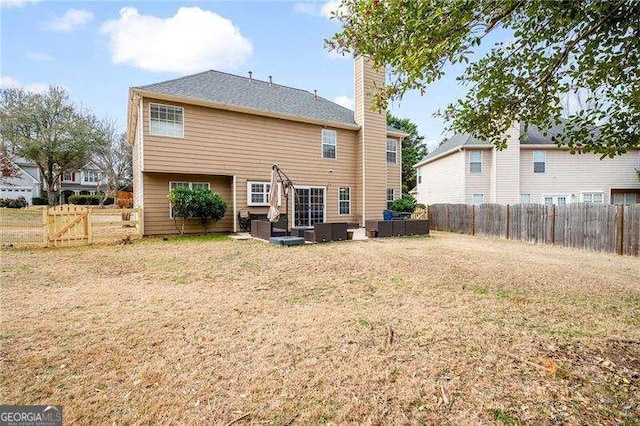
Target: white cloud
[(191, 40), (432, 144), (345, 101), (320, 9), (73, 19), (16, 3), (11, 83), (39, 57)]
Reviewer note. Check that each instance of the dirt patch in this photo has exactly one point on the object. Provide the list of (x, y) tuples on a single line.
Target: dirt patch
[(447, 329)]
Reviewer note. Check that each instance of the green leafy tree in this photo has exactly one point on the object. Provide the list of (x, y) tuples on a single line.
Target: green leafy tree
[(48, 129), (114, 158), (405, 204), (413, 149), (202, 204), (558, 47)]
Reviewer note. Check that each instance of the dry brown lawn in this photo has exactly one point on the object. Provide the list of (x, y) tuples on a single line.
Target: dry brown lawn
[(446, 329)]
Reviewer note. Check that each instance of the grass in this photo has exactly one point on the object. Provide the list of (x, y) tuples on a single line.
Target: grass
[(444, 330)]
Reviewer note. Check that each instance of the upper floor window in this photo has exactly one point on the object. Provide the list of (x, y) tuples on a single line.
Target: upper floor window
[(419, 173), (166, 120), (67, 177), (539, 161), (392, 151), (344, 201), (592, 197), (329, 143), (91, 176), (475, 161)]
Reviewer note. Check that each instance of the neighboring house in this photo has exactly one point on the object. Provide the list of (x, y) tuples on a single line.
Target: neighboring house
[(467, 170), (26, 184), (80, 182), (224, 132)]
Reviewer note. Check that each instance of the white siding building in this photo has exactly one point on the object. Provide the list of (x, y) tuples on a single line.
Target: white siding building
[(26, 184), (466, 170)]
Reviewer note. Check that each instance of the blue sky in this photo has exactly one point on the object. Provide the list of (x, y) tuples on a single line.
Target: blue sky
[(97, 50)]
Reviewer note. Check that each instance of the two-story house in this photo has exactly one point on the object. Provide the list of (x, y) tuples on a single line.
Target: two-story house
[(530, 170), (84, 181), (26, 183), (224, 132)]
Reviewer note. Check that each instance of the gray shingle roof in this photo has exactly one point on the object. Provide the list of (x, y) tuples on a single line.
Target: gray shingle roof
[(455, 141), (220, 87)]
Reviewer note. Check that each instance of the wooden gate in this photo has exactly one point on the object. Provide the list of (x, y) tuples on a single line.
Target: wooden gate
[(67, 225)]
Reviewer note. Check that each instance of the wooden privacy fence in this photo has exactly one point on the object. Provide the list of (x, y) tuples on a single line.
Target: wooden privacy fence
[(598, 227), (68, 225)]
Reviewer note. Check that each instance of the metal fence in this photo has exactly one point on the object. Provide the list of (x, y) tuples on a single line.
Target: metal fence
[(597, 227)]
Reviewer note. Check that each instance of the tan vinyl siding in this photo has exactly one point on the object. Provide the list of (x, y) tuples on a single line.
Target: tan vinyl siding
[(394, 171), (505, 178), (443, 180), (218, 142), (372, 137), (156, 211), (478, 183), (573, 174)]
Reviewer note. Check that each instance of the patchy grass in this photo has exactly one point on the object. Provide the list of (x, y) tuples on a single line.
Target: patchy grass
[(450, 329)]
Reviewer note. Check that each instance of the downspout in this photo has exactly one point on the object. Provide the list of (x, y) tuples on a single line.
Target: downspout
[(235, 207)]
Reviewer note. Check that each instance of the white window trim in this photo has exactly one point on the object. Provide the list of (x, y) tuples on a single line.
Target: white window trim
[(85, 174), (556, 196), (170, 106), (393, 195), (582, 194), (525, 202), (349, 201), (395, 151), (324, 201), (190, 184), (266, 203), (473, 198), (534, 161), (481, 160), (322, 144)]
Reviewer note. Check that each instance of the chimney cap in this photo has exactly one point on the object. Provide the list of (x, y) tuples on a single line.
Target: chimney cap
[(315, 94), (251, 75), (270, 80)]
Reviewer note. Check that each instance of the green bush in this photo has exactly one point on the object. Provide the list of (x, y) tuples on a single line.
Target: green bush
[(39, 201), (202, 204), (406, 204), (89, 200), (13, 203)]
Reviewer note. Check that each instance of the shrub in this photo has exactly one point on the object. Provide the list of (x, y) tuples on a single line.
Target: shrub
[(39, 201), (200, 204), (13, 203), (406, 204), (89, 200)]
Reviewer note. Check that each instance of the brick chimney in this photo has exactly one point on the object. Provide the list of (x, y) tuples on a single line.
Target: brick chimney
[(371, 165)]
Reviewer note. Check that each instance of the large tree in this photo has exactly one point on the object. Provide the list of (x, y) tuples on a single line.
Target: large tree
[(413, 149), (554, 48), (49, 129), (114, 158)]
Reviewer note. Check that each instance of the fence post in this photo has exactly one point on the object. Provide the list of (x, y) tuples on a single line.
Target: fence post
[(45, 227), (473, 219), (507, 233), (140, 216), (620, 236), (553, 224), (446, 218), (90, 227)]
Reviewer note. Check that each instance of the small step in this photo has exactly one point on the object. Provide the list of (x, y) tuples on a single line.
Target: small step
[(287, 241)]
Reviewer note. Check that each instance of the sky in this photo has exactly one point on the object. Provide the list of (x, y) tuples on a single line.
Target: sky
[(98, 49)]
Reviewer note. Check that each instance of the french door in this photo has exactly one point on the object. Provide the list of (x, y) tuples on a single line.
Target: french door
[(308, 206)]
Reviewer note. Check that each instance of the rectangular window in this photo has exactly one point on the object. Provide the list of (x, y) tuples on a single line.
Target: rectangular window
[(592, 197), (392, 151), (419, 172), (329, 143), (166, 120), (390, 197), (478, 199), (258, 193), (191, 185), (558, 200), (625, 198), (91, 176), (539, 161), (344, 201), (525, 198), (475, 161), (67, 177)]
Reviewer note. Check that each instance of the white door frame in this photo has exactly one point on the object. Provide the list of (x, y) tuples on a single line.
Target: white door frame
[(292, 194)]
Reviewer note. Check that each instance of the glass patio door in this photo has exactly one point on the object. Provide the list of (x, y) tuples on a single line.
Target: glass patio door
[(308, 207)]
